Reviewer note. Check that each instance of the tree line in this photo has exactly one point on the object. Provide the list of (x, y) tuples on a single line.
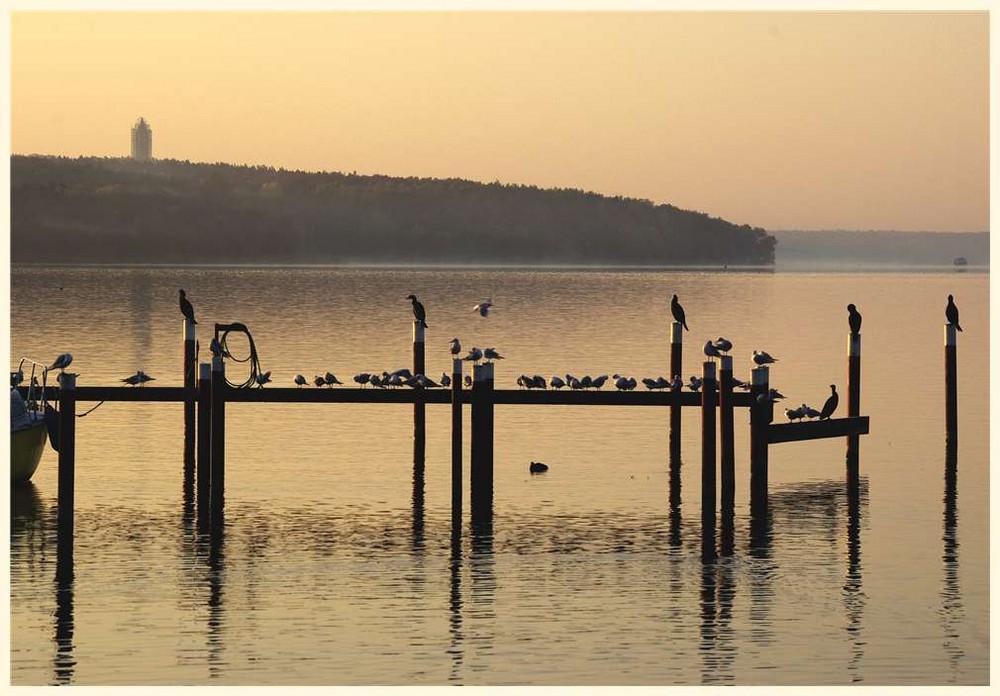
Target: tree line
[(117, 210)]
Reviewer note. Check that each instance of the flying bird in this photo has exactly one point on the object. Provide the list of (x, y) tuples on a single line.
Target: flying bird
[(678, 312), (854, 319), (418, 310), (951, 313), (61, 362), (831, 403), (187, 309), (300, 380), (763, 358), (483, 308), (456, 347)]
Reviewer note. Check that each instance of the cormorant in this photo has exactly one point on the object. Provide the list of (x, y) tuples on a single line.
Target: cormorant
[(186, 308), (61, 362), (456, 347), (678, 312), (418, 310), (537, 467), (831, 404), (854, 319), (951, 313)]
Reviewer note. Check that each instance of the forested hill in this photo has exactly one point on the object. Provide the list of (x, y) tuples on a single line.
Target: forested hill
[(113, 210)]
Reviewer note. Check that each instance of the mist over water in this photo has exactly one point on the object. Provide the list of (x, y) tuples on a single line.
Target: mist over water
[(337, 564)]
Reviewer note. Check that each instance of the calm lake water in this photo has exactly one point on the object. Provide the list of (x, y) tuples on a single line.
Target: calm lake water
[(336, 565)]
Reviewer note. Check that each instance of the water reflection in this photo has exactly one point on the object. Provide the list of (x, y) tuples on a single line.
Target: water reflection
[(952, 610), (211, 552), (419, 452), (64, 663), (854, 596), (717, 647), (456, 650), (675, 501), (482, 571)]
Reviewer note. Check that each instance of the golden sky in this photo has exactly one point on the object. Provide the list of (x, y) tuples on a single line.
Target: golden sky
[(857, 120)]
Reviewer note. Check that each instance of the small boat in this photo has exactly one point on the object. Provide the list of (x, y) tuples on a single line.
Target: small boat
[(960, 261), (28, 431)]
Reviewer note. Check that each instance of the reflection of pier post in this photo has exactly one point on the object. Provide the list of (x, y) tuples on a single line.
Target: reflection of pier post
[(63, 664), (952, 610), (455, 649), (676, 354), (418, 488), (216, 577), (854, 598), (481, 478)]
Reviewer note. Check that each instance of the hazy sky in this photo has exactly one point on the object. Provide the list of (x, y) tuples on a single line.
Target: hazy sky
[(856, 120)]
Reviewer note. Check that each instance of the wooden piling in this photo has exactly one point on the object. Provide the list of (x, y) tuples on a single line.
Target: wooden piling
[(709, 396), (190, 385), (676, 367), (481, 476), (727, 455), (67, 462), (760, 418), (419, 408), (456, 441), (853, 401), (951, 384), (218, 439), (203, 476)]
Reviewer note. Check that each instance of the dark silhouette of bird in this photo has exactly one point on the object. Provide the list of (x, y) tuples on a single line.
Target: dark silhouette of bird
[(319, 381), (763, 358), (483, 308), (61, 362), (831, 404), (854, 319), (491, 354), (951, 313), (186, 307), (264, 378), (678, 312), (362, 378), (16, 377), (139, 378), (456, 346), (711, 350), (215, 347), (418, 310), (300, 381), (537, 467), (330, 379), (445, 379), (723, 345)]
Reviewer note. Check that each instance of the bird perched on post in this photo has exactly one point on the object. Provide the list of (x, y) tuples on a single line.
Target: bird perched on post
[(831, 404), (491, 354), (763, 358), (215, 347), (61, 362), (456, 346), (483, 308), (711, 351), (187, 309), (723, 345), (678, 312), (475, 355), (854, 319), (951, 313), (418, 310)]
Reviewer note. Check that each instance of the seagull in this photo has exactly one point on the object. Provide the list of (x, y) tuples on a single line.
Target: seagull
[(402, 372), (810, 411), (854, 319), (456, 347), (678, 312), (376, 381), (723, 345), (215, 347), (16, 377), (538, 382), (695, 383), (319, 381), (574, 383), (586, 382), (763, 358), (300, 380), (831, 403), (330, 379), (418, 310), (621, 383), (631, 384), (264, 378), (468, 381), (445, 380), (557, 382), (62, 362), (676, 384), (133, 380), (393, 380), (951, 313), (186, 308), (537, 467), (491, 354), (774, 395), (475, 355), (793, 414), (483, 308), (711, 351), (362, 378), (525, 382), (662, 383), (599, 381), (650, 383)]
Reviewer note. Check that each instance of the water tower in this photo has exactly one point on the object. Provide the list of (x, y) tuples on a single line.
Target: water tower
[(142, 141)]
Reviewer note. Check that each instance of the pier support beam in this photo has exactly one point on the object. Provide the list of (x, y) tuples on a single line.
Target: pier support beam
[(676, 345), (67, 465), (456, 444), (709, 396), (727, 455), (951, 385), (190, 384), (419, 408), (481, 476), (218, 439), (760, 419), (853, 402), (203, 478)]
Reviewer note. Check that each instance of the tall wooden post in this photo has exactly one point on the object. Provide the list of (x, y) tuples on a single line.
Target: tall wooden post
[(190, 384), (709, 396), (853, 402), (204, 464), (481, 478), (419, 408), (951, 384), (456, 442), (218, 438), (67, 463), (676, 345), (760, 420), (727, 455)]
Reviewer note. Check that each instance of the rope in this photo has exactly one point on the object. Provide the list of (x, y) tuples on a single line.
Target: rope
[(88, 412), (252, 358)]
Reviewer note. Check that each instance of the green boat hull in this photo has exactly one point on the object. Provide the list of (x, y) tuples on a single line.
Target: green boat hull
[(26, 448)]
